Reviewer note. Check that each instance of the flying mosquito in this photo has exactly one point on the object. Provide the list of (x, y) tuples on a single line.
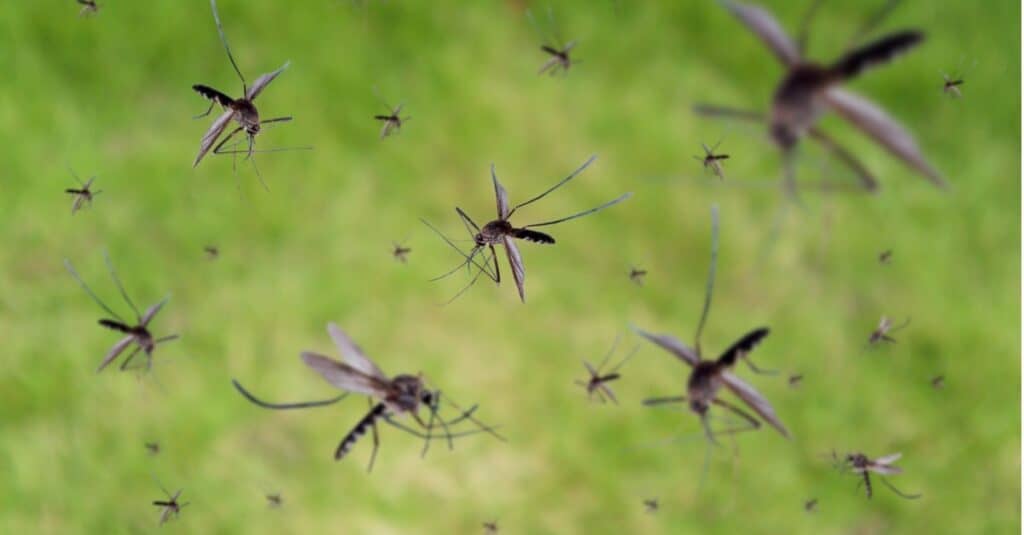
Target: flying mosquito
[(795, 380), (403, 394), (885, 327), (709, 376), (138, 333), (393, 121), (153, 448), (170, 506), (400, 252), (89, 7), (501, 232), (951, 86), (559, 55), (242, 110), (274, 501), (651, 505), (861, 464), (712, 161), (809, 90), (212, 252), (885, 257), (939, 381), (83, 194), (811, 505), (490, 527), (637, 275), (598, 382)]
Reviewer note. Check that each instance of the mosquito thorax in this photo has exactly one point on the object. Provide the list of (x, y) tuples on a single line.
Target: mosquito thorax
[(408, 392), (493, 232)]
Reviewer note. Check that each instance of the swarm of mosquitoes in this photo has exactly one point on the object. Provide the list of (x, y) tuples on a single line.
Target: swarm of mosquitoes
[(807, 91)]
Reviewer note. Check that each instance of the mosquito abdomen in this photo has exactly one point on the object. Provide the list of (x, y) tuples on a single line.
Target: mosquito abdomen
[(359, 430), (532, 235), (879, 51), (212, 94)]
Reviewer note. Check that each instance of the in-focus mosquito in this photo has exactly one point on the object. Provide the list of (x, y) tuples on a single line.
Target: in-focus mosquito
[(939, 382), (170, 506), (491, 527), (89, 7), (403, 394), (212, 252), (400, 252), (137, 334), (598, 382), (274, 500), (885, 327), (885, 257), (501, 232), (153, 448), (712, 161), (83, 194), (709, 376), (242, 110), (651, 505), (795, 380), (863, 465), (637, 275), (809, 90), (811, 505)]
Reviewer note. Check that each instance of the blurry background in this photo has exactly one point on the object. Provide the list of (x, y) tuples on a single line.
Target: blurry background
[(110, 96)]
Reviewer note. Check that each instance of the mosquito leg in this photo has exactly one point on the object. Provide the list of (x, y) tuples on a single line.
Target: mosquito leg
[(730, 113), (207, 112), (166, 339), (650, 402), (805, 25), (571, 176), (897, 491), (754, 424), (376, 442), (429, 427), (497, 270), (124, 365), (468, 415), (710, 287), (846, 158), (71, 269), (284, 406), (755, 369)]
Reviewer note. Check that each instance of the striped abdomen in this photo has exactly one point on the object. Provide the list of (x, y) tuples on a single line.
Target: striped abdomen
[(531, 235), (214, 95), (359, 430)]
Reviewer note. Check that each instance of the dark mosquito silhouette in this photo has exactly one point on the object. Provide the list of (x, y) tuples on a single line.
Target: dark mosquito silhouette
[(400, 252), (170, 506), (863, 465), (153, 448), (137, 333), (242, 110), (809, 90), (795, 380), (651, 505), (709, 376), (811, 505), (559, 60), (938, 382), (881, 333), (712, 161), (274, 500), (637, 275), (491, 527), (212, 252), (403, 394), (885, 257), (83, 194), (598, 382), (501, 232), (392, 122), (89, 7), (951, 86)]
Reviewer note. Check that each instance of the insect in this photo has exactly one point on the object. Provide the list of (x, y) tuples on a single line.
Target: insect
[(881, 333), (559, 55), (808, 90), (885, 257), (598, 382), (712, 161), (501, 232), (212, 252), (950, 86), (402, 394), (392, 122), (137, 334), (939, 381), (242, 110), (637, 275), (709, 376), (83, 194), (274, 500), (170, 506), (861, 464), (491, 527), (153, 448), (794, 380), (89, 7), (651, 505), (811, 505), (400, 252)]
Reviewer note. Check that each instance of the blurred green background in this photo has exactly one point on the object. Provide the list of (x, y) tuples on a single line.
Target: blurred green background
[(110, 96)]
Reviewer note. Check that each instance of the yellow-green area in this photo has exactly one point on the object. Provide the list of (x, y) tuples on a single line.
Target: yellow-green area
[(110, 95)]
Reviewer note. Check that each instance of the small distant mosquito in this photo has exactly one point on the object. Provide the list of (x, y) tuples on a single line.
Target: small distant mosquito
[(491, 527), (713, 161), (83, 194), (861, 464), (560, 60), (795, 379), (885, 257), (651, 505), (89, 7), (212, 252), (392, 122), (811, 505), (501, 232), (403, 394), (138, 333), (170, 506), (274, 500), (598, 382), (400, 252), (637, 275), (939, 381), (950, 86), (153, 447), (881, 333)]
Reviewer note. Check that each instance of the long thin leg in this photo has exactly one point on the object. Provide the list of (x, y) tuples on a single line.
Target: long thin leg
[(467, 258), (710, 287), (376, 442), (224, 41), (873, 21), (471, 282), (285, 406), (429, 427), (467, 221), (710, 110), (556, 186), (124, 364), (608, 204), (805, 25), (898, 492), (650, 402), (390, 421), (120, 287), (755, 369), (754, 424), (468, 415), (71, 269), (208, 110), (846, 157)]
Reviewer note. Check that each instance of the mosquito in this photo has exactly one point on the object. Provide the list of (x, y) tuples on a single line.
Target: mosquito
[(89, 7), (881, 333), (501, 232), (212, 252), (83, 194), (651, 505), (400, 252), (170, 506), (950, 86), (713, 161), (242, 110), (403, 394), (709, 376), (811, 505), (138, 333), (598, 382), (491, 527), (559, 55), (637, 275), (809, 90), (885, 257), (939, 381), (392, 122), (274, 500), (795, 380), (861, 464), (153, 448)]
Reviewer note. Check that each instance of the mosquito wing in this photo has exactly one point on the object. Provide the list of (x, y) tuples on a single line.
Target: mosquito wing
[(263, 81), (516, 261), (152, 311), (754, 400), (889, 459), (77, 203), (500, 195), (211, 135), (352, 353), (344, 376), (672, 345), (884, 469), (873, 121), (118, 348), (764, 25)]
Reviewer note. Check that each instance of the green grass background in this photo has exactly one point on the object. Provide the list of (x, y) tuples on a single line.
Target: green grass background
[(110, 96)]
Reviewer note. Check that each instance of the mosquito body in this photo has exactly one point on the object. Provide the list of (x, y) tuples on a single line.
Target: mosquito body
[(392, 122), (153, 448), (711, 161), (885, 257), (598, 382), (811, 505), (951, 86), (795, 380), (939, 382), (560, 61), (400, 252), (885, 327), (89, 7), (170, 506), (491, 527), (651, 505), (863, 465), (274, 501), (637, 276), (136, 332), (502, 232), (83, 194), (212, 252), (809, 90)]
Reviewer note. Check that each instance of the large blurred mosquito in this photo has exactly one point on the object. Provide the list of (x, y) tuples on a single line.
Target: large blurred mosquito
[(396, 396), (400, 252), (501, 232), (89, 7), (637, 275), (885, 327), (712, 161), (242, 110), (137, 333), (83, 194), (863, 465), (808, 90), (559, 60), (170, 506), (598, 382), (709, 376)]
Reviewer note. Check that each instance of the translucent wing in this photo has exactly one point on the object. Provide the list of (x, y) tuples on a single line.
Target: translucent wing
[(118, 348), (593, 372), (672, 345), (516, 261), (885, 469), (873, 121), (889, 459), (754, 400), (152, 311), (764, 25), (352, 353), (500, 195), (344, 376), (211, 135), (77, 203), (263, 81)]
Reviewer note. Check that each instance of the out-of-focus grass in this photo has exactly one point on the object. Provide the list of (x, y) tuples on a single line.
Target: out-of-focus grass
[(110, 96)]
